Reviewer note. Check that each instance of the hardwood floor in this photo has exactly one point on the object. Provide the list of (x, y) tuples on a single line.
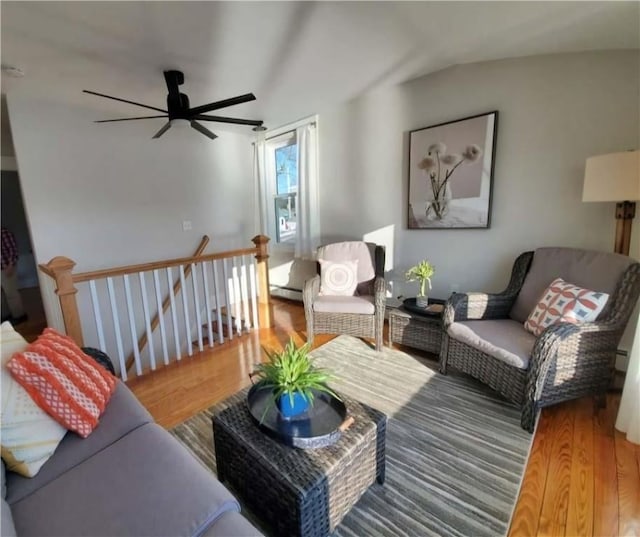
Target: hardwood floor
[(582, 478), (176, 392)]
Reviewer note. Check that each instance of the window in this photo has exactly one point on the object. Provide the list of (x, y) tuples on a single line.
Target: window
[(282, 173), (286, 173)]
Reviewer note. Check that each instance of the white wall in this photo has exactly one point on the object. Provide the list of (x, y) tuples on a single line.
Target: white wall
[(107, 194), (554, 112)]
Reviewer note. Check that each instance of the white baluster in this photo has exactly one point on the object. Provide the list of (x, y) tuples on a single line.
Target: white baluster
[(254, 291), (132, 325), (185, 308), (116, 328), (96, 315), (216, 288), (163, 334), (172, 302), (237, 301), (228, 290), (196, 302), (244, 292), (207, 304), (147, 321)]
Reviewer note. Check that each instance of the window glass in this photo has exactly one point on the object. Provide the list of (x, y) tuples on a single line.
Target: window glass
[(286, 169), (286, 218), (286, 189)]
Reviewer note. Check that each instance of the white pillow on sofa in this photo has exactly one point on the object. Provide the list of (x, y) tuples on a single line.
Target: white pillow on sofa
[(29, 435)]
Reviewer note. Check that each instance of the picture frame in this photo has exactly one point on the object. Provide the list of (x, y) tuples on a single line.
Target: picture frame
[(451, 168)]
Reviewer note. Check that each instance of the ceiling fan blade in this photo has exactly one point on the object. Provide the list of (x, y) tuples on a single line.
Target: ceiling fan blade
[(126, 119), (222, 104), (164, 129), (125, 101), (203, 130), (221, 119)]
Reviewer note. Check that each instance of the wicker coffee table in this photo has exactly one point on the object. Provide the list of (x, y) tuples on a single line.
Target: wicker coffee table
[(299, 491), (414, 330)]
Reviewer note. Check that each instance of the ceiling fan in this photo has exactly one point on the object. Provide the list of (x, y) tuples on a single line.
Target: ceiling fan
[(179, 112)]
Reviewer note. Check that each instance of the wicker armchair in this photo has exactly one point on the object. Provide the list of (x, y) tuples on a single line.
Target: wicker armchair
[(566, 360), (361, 315)]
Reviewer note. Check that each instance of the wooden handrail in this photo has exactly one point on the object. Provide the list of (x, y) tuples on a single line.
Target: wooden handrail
[(45, 268), (145, 267), (165, 304)]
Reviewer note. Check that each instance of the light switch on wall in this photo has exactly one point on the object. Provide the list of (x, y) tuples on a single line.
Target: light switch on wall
[(186, 225)]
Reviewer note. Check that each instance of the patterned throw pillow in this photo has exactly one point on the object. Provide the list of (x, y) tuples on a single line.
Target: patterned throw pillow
[(29, 435), (338, 278), (564, 302), (69, 385)]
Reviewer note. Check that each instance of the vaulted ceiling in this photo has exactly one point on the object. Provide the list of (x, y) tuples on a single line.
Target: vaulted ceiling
[(297, 57)]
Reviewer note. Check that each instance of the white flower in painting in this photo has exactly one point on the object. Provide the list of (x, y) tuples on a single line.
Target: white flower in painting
[(427, 163), (451, 159), (472, 153), (437, 148), (440, 167)]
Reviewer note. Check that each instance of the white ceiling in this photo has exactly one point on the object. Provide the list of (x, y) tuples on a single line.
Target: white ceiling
[(297, 57)]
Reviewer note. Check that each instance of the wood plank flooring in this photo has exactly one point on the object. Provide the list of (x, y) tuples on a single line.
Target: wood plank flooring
[(178, 391), (583, 477)]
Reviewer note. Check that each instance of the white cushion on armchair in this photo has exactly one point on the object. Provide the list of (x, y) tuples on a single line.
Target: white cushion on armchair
[(345, 304), (504, 339)]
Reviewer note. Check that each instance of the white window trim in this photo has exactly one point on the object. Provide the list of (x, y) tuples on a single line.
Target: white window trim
[(273, 139), (290, 127)]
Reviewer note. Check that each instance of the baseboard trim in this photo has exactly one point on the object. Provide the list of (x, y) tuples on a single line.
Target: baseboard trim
[(284, 292)]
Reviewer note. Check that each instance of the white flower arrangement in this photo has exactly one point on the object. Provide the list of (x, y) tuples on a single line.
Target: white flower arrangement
[(437, 162)]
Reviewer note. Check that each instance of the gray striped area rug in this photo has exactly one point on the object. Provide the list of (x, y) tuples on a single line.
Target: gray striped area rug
[(455, 451)]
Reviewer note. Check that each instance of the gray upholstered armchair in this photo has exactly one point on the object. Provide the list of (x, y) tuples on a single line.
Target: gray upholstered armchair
[(484, 334), (361, 313)]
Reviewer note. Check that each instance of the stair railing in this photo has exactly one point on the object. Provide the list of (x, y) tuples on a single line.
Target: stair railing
[(208, 298), (158, 317)]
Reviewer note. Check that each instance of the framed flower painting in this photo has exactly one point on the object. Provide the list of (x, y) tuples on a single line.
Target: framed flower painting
[(451, 173)]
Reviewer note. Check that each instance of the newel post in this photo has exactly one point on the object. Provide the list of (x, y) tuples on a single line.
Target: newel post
[(60, 269), (262, 269)]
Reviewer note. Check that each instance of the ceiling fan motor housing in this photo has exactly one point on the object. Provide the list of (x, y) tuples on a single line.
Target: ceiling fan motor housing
[(178, 106), (177, 103)]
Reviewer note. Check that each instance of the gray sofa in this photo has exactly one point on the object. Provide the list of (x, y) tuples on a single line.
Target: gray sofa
[(129, 477)]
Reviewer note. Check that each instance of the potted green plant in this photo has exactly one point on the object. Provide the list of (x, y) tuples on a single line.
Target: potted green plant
[(422, 272), (292, 379)]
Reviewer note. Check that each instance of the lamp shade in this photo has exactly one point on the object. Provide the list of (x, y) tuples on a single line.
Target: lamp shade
[(612, 177)]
